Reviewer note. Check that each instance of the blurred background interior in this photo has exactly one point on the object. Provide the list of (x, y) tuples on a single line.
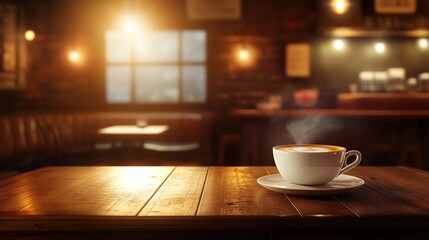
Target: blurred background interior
[(223, 81)]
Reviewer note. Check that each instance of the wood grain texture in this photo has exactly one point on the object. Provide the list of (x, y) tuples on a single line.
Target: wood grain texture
[(316, 207), (138, 201), (403, 187), (179, 195), (234, 191), (87, 191)]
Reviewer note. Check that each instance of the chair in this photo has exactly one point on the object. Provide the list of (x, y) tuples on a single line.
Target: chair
[(182, 144), (6, 149), (227, 140)]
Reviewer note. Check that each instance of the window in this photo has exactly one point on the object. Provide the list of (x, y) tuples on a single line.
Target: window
[(156, 67)]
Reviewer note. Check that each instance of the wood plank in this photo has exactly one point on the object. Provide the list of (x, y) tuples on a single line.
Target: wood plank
[(138, 235), (89, 191), (179, 195), (402, 185), (133, 187), (317, 207), (22, 191), (234, 191), (366, 202), (384, 200)]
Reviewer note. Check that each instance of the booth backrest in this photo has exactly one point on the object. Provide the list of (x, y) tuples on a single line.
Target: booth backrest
[(52, 134)]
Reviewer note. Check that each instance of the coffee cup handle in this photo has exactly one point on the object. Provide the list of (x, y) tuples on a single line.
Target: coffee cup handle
[(354, 163)]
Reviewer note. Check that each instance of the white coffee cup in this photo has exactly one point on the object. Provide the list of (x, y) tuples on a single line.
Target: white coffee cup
[(313, 164)]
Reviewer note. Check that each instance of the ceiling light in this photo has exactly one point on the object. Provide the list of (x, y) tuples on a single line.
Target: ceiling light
[(338, 44), (423, 43), (74, 56), (379, 47), (340, 6), (29, 35)]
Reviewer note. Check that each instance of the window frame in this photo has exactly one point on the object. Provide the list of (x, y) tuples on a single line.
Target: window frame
[(180, 63)]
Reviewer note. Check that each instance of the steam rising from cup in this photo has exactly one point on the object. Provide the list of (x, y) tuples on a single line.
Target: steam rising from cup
[(309, 129)]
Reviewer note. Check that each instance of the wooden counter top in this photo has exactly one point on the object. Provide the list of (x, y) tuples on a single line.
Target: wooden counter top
[(381, 101), (205, 203), (255, 113)]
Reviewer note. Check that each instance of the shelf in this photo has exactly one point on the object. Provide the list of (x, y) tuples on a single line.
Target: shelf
[(384, 101), (355, 32)]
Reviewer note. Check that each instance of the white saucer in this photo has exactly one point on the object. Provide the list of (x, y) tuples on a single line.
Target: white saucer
[(339, 185)]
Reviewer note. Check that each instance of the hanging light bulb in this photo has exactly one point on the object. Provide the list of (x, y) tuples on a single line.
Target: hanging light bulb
[(379, 47), (129, 24), (243, 54), (74, 56), (29, 35), (423, 43), (338, 44), (340, 6)]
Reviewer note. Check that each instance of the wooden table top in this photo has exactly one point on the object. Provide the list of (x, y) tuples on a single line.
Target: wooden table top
[(188, 198), (133, 130)]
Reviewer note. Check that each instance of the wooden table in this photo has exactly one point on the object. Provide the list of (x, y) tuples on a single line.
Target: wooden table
[(129, 135), (205, 203), (131, 131)]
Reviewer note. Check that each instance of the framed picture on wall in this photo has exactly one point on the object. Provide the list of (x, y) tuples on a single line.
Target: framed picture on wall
[(8, 48), (395, 7), (297, 60), (213, 9)]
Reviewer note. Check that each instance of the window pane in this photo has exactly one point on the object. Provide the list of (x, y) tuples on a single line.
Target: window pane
[(194, 46), (157, 46), (157, 84), (118, 84), (118, 47), (194, 83)]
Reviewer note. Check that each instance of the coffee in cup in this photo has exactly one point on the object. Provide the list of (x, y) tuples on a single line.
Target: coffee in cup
[(313, 164)]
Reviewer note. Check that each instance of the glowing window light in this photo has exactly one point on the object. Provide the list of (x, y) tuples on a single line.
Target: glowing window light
[(423, 43), (74, 56), (338, 44), (29, 35), (380, 47), (340, 6)]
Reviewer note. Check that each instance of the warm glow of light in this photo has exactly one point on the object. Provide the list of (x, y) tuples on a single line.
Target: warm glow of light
[(340, 6), (131, 23), (379, 47), (29, 35), (135, 179), (423, 43), (338, 44), (74, 56), (243, 55)]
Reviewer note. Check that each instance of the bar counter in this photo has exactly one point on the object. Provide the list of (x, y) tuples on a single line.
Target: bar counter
[(208, 203), (402, 135), (332, 112)]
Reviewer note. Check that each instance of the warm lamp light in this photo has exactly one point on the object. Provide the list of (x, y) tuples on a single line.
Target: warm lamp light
[(338, 44), (74, 56), (340, 6), (423, 43), (243, 54), (379, 47), (131, 23), (29, 35)]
